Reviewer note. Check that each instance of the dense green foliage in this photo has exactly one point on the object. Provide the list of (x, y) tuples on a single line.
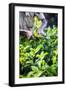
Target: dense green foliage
[(38, 56)]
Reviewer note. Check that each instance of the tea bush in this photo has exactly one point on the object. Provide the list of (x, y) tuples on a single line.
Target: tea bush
[(38, 56)]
